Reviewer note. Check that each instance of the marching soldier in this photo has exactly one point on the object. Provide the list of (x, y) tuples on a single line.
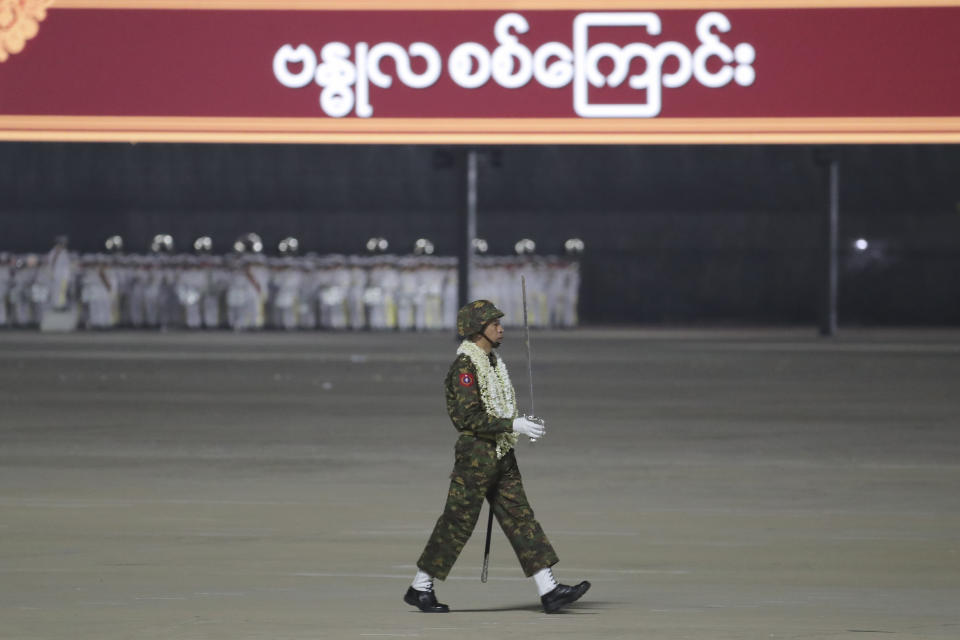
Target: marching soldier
[(357, 270), (218, 281), (135, 284), (191, 288), (22, 291), (309, 290), (334, 292), (59, 274), (156, 289), (99, 292), (247, 293), (432, 277), (213, 283), (406, 292), (380, 296), (286, 281), (574, 248), (153, 291), (450, 292), (481, 403)]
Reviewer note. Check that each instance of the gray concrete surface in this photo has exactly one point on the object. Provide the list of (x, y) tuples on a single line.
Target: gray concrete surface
[(711, 485)]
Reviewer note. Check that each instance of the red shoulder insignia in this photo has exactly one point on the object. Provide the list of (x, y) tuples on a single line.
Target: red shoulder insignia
[(466, 380)]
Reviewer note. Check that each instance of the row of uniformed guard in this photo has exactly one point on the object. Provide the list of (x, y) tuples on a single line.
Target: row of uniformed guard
[(246, 291)]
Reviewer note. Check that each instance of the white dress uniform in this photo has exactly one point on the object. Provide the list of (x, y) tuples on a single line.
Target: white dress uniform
[(22, 292), (390, 283), (134, 307), (286, 280), (153, 291), (246, 295), (538, 290), (407, 283), (98, 291), (380, 295), (450, 292), (334, 294), (433, 277), (357, 268), (483, 287), (420, 296), (570, 316), (214, 297), (115, 275), (121, 269), (556, 290), (261, 276), (309, 291), (59, 276), (240, 293), (171, 309), (191, 288), (274, 267)]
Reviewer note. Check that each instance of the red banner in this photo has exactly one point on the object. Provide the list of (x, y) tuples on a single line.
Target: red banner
[(806, 74)]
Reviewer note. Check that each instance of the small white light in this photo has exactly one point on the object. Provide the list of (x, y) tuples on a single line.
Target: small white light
[(377, 244), (573, 246), (861, 244), (423, 246), (525, 246)]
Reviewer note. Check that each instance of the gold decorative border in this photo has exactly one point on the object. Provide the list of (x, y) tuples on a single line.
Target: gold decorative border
[(496, 5), (500, 131), (19, 22)]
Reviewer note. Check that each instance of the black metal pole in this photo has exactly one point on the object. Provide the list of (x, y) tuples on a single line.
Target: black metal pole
[(467, 167), (828, 321)]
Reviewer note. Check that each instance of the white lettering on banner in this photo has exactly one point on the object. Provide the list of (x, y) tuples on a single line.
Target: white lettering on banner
[(512, 62), (346, 83), (462, 62), (287, 55)]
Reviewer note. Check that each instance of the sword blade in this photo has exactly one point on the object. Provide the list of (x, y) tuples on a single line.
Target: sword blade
[(526, 332)]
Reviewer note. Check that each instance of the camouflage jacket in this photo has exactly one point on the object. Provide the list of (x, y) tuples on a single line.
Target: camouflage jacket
[(465, 406)]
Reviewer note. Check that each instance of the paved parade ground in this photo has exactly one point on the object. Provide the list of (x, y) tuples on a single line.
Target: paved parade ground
[(710, 484)]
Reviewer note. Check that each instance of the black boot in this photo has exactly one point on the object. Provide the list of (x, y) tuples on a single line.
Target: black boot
[(562, 596), (426, 601)]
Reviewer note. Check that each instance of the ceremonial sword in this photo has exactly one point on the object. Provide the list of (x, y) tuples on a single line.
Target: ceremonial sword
[(526, 336)]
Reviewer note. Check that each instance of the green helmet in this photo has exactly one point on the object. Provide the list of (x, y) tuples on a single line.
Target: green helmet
[(474, 316)]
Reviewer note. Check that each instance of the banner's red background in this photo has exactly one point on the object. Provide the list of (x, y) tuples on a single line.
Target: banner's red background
[(898, 62)]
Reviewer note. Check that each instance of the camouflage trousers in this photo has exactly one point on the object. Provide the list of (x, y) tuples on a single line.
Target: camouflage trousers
[(478, 474)]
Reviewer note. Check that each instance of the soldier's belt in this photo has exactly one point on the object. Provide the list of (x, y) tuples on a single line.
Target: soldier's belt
[(480, 436)]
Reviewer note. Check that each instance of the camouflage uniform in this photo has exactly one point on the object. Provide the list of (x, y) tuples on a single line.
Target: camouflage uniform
[(477, 473)]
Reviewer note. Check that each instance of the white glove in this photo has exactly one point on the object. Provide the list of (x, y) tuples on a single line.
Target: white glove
[(529, 428)]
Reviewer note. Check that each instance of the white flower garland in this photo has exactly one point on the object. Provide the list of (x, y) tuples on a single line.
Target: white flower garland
[(496, 391)]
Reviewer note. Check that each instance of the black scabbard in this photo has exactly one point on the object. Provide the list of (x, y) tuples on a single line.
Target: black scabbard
[(486, 546)]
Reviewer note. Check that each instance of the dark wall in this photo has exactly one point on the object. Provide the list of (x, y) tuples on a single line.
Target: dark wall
[(673, 234), (332, 198)]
